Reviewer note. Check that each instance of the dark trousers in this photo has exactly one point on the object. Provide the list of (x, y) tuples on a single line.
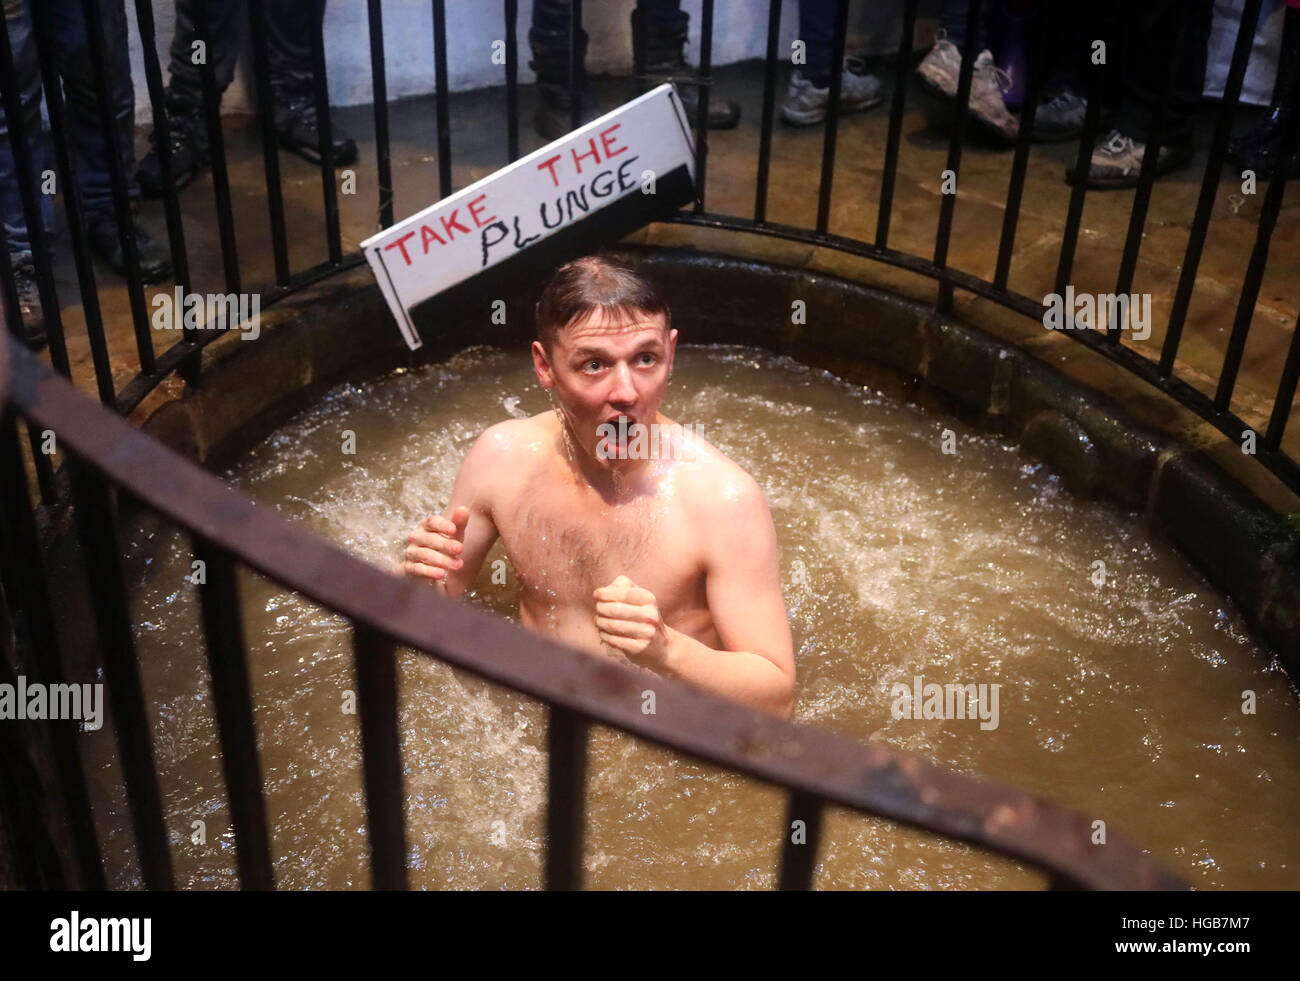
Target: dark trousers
[(89, 142), (549, 34), (289, 28), (1152, 40)]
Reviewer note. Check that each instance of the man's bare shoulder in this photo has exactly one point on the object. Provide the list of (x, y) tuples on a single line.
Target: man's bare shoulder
[(503, 447), (719, 490)]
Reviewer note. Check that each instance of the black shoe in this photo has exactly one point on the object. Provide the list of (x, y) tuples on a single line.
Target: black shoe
[(553, 118), (297, 130), (189, 155), (29, 301), (663, 56), (155, 261)]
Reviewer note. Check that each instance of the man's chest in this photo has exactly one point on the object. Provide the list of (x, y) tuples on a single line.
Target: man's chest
[(565, 546)]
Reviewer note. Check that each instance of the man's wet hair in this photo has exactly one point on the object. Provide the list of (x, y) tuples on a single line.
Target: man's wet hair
[(582, 286)]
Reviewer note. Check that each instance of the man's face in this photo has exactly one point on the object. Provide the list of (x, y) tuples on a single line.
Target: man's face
[(601, 369)]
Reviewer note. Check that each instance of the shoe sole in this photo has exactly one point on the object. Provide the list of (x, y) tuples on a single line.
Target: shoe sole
[(812, 117)]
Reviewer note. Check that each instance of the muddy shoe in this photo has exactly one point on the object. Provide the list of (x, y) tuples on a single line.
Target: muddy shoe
[(188, 143), (29, 300), (940, 67), (297, 130), (723, 113), (1117, 161), (805, 104), (988, 84), (155, 261), (553, 118)]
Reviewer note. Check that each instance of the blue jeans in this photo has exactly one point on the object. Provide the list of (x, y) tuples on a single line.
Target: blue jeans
[(86, 136)]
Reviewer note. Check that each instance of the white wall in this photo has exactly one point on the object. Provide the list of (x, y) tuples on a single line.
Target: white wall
[(739, 33)]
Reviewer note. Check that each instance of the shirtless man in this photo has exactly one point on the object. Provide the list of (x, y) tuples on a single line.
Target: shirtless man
[(667, 562)]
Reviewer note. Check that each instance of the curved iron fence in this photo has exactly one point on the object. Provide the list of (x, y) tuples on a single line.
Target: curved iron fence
[(107, 457)]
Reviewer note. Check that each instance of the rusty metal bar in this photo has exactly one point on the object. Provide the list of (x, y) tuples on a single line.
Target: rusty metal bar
[(233, 701), (803, 827), (376, 667), (567, 770)]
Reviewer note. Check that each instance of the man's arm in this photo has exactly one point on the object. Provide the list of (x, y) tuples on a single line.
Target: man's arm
[(743, 589), (428, 549)]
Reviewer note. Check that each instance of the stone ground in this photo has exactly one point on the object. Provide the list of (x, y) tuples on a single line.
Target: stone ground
[(479, 147)]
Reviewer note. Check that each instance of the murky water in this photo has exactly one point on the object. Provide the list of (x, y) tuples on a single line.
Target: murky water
[(1122, 700)]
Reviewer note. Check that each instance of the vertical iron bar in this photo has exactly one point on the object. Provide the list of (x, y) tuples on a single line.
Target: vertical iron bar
[(117, 182), (217, 144), (567, 768), (72, 206), (324, 131), (97, 527), (1082, 167), (512, 81), (270, 142), (162, 142), (1020, 164), (232, 700), (25, 174), (1285, 393), (948, 202), (379, 97), (702, 104), (1258, 260), (902, 71), (33, 598), (769, 102), (381, 753), (1142, 196), (832, 116), (1210, 185), (441, 96), (575, 62), (798, 860)]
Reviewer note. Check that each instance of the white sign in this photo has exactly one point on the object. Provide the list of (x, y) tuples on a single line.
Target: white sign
[(625, 152)]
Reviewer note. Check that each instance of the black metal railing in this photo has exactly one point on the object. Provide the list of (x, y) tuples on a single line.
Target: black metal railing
[(111, 462), (108, 458)]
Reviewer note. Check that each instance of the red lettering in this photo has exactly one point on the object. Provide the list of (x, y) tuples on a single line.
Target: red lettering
[(605, 141), (577, 157), (550, 165), (428, 235), (449, 224), (401, 244), (475, 207)]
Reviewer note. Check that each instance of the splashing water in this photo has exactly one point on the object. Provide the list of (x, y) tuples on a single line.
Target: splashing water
[(1121, 700)]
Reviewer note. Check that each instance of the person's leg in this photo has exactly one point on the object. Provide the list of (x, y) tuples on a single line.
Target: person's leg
[(184, 85), (27, 76), (1168, 35), (807, 99), (1257, 148), (27, 79), (659, 31), (817, 31), (187, 129), (548, 37), (290, 27), (94, 144)]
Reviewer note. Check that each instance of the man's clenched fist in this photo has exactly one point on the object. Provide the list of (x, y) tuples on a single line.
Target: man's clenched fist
[(628, 620)]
